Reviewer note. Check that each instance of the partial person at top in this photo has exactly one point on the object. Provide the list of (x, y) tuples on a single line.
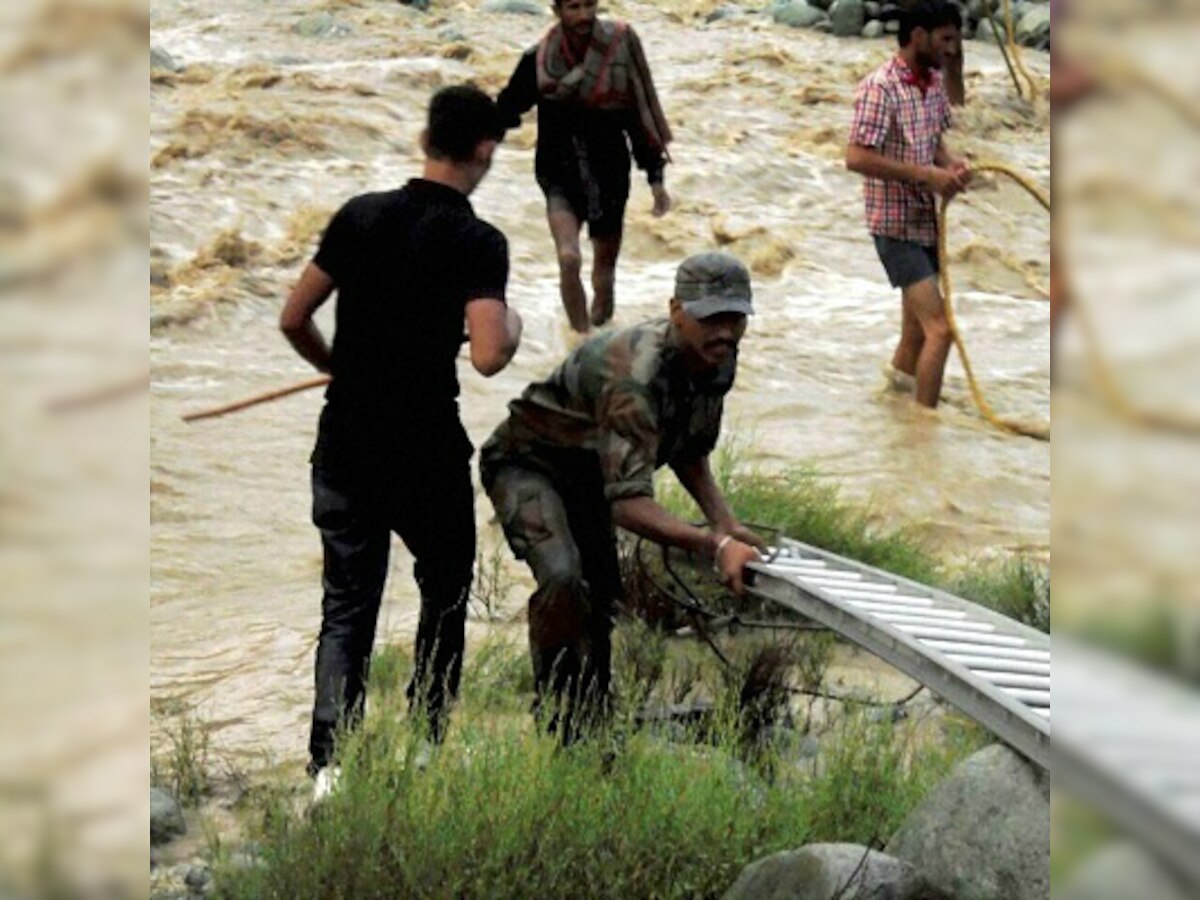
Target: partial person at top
[(901, 112), (595, 101)]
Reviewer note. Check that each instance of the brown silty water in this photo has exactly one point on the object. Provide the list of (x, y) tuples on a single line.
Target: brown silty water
[(267, 131)]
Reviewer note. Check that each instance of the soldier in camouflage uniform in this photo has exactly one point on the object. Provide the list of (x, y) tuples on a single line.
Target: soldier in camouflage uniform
[(577, 455)]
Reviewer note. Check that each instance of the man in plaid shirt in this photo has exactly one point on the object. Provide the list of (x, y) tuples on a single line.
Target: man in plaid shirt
[(900, 112)]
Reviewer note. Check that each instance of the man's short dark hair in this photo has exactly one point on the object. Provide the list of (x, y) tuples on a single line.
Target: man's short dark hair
[(928, 14), (459, 118)]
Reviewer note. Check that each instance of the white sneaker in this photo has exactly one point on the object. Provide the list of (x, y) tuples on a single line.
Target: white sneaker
[(326, 784)]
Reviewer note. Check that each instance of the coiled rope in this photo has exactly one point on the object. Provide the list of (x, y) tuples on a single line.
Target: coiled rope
[(1039, 431)]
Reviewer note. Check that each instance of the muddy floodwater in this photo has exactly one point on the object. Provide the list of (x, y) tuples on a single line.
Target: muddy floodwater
[(282, 111)]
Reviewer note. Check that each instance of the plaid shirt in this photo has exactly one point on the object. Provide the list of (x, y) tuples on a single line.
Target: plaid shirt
[(893, 115)]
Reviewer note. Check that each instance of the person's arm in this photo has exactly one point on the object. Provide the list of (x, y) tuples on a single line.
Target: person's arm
[(645, 517), (873, 164), (696, 477), (494, 330), (296, 320), (651, 160), (521, 92)]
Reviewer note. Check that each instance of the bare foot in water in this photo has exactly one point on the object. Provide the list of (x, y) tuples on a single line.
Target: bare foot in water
[(899, 382), (601, 314)]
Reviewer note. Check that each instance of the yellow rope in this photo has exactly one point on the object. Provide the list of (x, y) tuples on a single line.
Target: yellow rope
[(1035, 90), (1040, 431)]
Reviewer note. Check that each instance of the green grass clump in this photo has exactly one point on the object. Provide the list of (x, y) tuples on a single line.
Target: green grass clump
[(503, 811)]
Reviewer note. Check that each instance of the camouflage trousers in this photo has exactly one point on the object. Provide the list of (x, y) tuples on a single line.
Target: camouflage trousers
[(560, 524)]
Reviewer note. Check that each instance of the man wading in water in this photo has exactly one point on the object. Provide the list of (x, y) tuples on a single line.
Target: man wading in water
[(391, 453), (900, 113), (578, 453), (595, 98)]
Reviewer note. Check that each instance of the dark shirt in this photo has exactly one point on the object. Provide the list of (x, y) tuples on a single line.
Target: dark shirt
[(565, 127), (405, 263)]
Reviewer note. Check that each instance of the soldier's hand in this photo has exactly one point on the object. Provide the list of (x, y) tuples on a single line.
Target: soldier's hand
[(731, 560), (741, 533), (662, 200)]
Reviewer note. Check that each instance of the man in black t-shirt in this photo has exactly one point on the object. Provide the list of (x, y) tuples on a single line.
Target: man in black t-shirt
[(391, 454)]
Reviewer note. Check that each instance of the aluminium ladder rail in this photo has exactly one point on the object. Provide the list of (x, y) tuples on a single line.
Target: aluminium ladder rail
[(1127, 742), (994, 669)]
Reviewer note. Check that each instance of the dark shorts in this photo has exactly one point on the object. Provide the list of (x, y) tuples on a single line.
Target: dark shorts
[(906, 263), (605, 217)]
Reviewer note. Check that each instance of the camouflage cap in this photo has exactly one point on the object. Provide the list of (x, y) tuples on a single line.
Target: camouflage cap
[(711, 283)]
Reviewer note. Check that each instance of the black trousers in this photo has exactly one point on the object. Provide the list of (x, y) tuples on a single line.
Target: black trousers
[(431, 507)]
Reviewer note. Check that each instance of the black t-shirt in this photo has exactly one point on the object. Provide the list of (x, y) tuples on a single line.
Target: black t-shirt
[(405, 263)]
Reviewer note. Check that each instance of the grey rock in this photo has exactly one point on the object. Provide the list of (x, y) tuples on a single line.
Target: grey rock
[(984, 832), (874, 29), (166, 818), (516, 7), (321, 25), (422, 5), (725, 11), (162, 60), (1122, 871), (892, 26), (797, 14), (828, 871), (451, 35), (873, 8), (848, 17), (1034, 25), (990, 31), (198, 877), (975, 10)]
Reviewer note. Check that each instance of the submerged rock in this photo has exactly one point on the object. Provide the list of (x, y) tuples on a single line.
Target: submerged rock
[(829, 871), (321, 25), (162, 60), (984, 832), (517, 7)]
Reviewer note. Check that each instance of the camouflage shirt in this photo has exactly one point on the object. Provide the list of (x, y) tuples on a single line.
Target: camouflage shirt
[(626, 396)]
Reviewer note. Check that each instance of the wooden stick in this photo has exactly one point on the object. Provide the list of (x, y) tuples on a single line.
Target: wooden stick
[(99, 396), (265, 397)]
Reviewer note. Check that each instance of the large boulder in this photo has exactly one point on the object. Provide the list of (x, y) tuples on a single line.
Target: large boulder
[(798, 14), (874, 29), (1034, 25), (1120, 872), (826, 872), (166, 818), (984, 832), (849, 17)]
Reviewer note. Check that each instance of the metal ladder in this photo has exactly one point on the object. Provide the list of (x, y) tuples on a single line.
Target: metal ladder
[(1127, 742), (996, 670)]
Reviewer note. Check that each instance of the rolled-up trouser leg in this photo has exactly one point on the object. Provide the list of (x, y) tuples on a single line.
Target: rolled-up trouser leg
[(568, 650), (438, 527), (355, 568)]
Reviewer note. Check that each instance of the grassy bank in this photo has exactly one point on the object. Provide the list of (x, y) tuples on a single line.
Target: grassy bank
[(674, 807), (502, 811)]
